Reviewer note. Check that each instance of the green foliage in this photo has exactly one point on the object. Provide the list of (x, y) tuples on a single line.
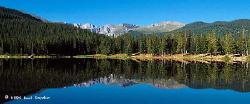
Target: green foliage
[(220, 27), (105, 46), (248, 58), (149, 42), (10, 14), (24, 34), (226, 58), (142, 44), (212, 42), (128, 44), (227, 43), (181, 42), (162, 45), (240, 43)]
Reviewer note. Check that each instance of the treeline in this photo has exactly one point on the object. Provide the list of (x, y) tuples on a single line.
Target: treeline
[(22, 33), (65, 72), (34, 37), (179, 43)]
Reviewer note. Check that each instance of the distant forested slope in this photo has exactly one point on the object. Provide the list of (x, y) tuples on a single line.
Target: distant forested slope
[(21, 33), (220, 27)]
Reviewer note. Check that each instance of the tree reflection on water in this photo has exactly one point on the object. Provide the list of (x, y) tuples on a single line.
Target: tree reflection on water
[(28, 76)]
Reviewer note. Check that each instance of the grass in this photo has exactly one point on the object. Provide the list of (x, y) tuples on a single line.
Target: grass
[(143, 57), (205, 58), (25, 56), (248, 58), (102, 56), (177, 57), (226, 58)]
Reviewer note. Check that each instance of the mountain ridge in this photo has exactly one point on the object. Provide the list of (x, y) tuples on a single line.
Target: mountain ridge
[(119, 29), (197, 27), (7, 13), (220, 27)]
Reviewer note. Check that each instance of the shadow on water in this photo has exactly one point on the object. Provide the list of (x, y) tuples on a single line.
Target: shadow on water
[(25, 76)]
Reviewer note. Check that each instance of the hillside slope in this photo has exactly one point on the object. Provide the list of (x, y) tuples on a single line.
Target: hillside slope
[(221, 27), (6, 13), (23, 33)]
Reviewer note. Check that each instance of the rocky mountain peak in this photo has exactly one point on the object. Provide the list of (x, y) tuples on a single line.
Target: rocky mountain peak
[(116, 30)]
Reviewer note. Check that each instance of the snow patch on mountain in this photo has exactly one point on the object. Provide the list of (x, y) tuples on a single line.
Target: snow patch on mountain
[(116, 30)]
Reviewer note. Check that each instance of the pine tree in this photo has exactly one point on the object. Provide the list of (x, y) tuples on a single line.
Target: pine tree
[(104, 47), (240, 43), (142, 44), (162, 45), (181, 42), (248, 44), (194, 44), (212, 42), (227, 43), (128, 44)]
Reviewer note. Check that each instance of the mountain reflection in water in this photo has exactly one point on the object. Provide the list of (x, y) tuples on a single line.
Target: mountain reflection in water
[(113, 80), (28, 76)]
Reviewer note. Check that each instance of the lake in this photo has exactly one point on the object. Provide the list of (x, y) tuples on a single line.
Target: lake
[(106, 81)]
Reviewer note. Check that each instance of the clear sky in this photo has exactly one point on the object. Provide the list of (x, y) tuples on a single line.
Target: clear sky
[(140, 12)]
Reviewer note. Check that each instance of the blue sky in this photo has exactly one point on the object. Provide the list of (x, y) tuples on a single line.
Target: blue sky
[(140, 12)]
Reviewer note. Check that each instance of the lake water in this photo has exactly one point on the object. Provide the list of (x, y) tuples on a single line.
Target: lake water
[(92, 81)]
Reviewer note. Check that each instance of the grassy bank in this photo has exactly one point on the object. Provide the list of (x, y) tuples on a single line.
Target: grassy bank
[(197, 57), (101, 56), (206, 58), (25, 56), (176, 57)]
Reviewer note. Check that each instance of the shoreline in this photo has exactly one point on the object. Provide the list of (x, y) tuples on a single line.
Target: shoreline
[(204, 58), (30, 57)]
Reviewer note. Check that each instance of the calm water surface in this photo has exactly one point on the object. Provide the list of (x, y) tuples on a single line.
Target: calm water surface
[(91, 81)]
